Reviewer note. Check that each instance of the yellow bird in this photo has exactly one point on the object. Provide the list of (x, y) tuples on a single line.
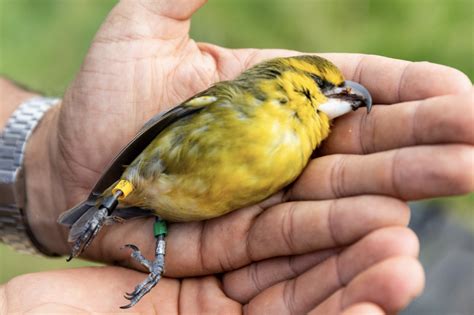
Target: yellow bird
[(228, 147)]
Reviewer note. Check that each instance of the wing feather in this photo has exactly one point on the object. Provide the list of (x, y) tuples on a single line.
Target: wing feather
[(75, 217), (149, 131)]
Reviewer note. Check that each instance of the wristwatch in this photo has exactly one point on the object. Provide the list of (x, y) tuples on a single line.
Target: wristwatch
[(14, 228)]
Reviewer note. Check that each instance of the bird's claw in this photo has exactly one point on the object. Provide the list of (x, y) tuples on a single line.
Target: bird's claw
[(133, 247), (155, 268), (142, 289)]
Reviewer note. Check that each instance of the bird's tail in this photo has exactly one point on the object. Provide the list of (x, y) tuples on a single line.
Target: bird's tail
[(69, 217), (77, 217)]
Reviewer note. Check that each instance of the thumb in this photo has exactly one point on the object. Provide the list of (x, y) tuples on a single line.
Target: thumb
[(148, 19)]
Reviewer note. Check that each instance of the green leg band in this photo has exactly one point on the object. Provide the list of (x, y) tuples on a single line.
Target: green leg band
[(160, 228)]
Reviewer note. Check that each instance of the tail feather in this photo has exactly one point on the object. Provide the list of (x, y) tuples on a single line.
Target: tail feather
[(70, 216), (77, 217)]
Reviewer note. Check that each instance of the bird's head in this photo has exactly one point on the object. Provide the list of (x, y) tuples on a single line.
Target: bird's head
[(334, 95)]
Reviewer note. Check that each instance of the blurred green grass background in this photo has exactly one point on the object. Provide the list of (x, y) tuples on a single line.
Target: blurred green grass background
[(43, 42)]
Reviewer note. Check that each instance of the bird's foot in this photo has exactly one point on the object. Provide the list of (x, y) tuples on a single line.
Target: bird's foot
[(93, 226), (156, 269)]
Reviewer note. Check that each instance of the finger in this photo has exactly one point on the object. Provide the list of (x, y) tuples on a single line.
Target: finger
[(391, 284), (302, 227), (131, 20), (392, 81), (389, 80), (364, 308), (243, 236), (408, 173), (293, 228), (432, 121), (245, 283), (315, 286)]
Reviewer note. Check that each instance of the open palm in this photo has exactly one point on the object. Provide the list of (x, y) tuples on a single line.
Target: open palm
[(316, 246)]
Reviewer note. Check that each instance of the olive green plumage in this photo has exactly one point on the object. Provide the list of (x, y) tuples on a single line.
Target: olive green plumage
[(251, 137)]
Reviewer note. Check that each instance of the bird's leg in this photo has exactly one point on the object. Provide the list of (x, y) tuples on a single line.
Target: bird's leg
[(156, 267), (94, 224)]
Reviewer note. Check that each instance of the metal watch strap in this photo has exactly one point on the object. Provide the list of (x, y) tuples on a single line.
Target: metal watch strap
[(14, 229)]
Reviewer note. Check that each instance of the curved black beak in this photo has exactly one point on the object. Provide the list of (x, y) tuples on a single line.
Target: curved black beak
[(360, 96), (342, 99)]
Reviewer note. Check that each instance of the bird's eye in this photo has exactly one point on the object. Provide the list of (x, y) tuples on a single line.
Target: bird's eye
[(318, 80), (322, 84)]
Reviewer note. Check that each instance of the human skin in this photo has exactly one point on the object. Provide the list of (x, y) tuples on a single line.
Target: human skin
[(142, 62)]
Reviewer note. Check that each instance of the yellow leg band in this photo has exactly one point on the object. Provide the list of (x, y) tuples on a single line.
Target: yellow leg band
[(125, 187)]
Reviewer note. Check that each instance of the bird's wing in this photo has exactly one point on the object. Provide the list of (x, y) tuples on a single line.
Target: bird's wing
[(149, 131)]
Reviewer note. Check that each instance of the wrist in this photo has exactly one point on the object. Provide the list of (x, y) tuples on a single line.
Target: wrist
[(43, 185)]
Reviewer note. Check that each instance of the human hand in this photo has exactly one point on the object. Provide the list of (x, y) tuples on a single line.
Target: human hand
[(376, 275), (188, 296), (141, 62)]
